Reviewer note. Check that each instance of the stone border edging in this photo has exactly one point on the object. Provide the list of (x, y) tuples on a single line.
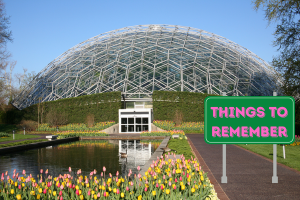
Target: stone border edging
[(123, 138), (158, 152), (35, 145), (220, 193)]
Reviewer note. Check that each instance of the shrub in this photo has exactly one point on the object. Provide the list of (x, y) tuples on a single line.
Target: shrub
[(55, 118), (90, 120), (29, 125)]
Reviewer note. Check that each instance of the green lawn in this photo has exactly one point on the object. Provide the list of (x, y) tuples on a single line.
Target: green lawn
[(181, 146), (17, 137), (21, 143), (292, 153)]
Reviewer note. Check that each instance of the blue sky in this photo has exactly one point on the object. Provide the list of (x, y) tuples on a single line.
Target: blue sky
[(43, 30)]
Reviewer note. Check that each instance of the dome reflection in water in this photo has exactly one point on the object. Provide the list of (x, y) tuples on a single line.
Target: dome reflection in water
[(86, 155)]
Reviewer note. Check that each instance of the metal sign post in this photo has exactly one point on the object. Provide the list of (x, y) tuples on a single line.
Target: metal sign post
[(224, 177), (274, 177)]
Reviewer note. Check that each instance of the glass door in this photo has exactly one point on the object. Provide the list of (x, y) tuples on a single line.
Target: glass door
[(134, 124)]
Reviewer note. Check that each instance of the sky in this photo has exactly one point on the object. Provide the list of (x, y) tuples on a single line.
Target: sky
[(43, 30)]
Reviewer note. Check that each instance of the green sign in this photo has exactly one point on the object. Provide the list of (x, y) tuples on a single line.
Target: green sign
[(249, 120)]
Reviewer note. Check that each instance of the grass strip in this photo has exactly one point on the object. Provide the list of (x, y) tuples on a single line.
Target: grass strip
[(181, 146), (292, 153), (17, 137), (22, 143)]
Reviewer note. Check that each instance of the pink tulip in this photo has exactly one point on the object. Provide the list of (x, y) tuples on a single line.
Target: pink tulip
[(23, 172), (139, 175), (62, 187), (145, 189), (41, 171), (77, 192), (162, 187), (117, 174), (46, 171), (180, 178), (92, 173), (19, 186), (61, 198), (98, 195), (45, 191), (127, 188), (104, 169), (157, 185), (174, 187), (89, 193), (104, 194), (7, 177), (60, 193), (175, 180), (131, 183), (70, 169), (164, 177), (138, 168), (187, 175), (110, 175), (118, 191), (58, 185), (101, 174)]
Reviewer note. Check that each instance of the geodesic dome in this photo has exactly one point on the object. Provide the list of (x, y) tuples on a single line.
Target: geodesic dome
[(140, 59)]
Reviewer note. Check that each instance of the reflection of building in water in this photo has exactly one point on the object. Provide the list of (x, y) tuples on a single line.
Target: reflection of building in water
[(137, 155)]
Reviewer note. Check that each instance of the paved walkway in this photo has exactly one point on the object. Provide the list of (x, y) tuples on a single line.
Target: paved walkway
[(38, 137), (249, 175)]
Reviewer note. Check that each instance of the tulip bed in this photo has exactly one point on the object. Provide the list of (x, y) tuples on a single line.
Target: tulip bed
[(67, 134), (187, 127), (166, 178), (3, 135), (77, 127), (297, 141)]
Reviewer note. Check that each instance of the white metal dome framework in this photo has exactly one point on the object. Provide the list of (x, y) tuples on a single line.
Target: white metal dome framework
[(140, 59)]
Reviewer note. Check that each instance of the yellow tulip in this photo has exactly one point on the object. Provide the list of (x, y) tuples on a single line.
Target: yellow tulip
[(32, 193), (167, 191), (16, 184), (115, 190), (54, 193), (182, 187), (95, 196), (193, 190), (38, 196), (154, 193), (19, 196), (12, 191), (81, 197), (140, 197), (122, 195)]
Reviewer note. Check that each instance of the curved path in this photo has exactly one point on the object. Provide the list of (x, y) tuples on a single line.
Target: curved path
[(38, 137), (249, 175)]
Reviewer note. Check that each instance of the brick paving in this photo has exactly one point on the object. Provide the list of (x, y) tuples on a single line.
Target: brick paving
[(249, 175)]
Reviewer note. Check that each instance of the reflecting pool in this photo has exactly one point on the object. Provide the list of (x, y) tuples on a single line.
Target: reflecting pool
[(86, 155)]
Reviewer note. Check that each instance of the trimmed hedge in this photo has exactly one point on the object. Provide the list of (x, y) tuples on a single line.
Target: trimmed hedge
[(191, 105), (104, 107)]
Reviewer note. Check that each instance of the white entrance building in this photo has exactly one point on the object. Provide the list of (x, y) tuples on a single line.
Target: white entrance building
[(136, 117)]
